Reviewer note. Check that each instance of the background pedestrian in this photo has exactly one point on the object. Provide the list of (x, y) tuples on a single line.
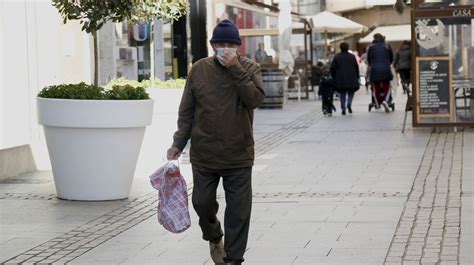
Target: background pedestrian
[(345, 71), (380, 57), (326, 89), (402, 64)]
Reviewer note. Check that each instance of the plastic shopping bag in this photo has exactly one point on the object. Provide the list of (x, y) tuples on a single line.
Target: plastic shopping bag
[(173, 212)]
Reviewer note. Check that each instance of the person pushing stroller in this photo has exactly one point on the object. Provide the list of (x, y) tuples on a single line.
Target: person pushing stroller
[(380, 57)]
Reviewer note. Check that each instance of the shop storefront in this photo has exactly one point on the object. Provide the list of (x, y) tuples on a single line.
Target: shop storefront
[(443, 65), (258, 24)]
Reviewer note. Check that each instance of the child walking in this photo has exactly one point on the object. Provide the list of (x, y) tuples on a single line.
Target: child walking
[(326, 89)]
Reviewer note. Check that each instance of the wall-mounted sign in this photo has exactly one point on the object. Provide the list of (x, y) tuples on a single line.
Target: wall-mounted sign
[(434, 87), (141, 31), (465, 12), (429, 36)]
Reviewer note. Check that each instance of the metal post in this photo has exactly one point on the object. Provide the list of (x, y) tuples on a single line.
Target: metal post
[(285, 90), (404, 121), (326, 44)]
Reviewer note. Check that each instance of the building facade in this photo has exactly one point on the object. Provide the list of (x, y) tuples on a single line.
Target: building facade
[(36, 50)]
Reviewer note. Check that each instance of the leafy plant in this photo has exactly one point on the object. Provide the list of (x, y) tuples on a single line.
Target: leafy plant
[(92, 92), (73, 91), (163, 9), (173, 83), (93, 14), (122, 82), (127, 92)]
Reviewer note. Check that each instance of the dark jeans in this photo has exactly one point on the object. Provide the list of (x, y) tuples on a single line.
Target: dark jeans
[(238, 196), (350, 96)]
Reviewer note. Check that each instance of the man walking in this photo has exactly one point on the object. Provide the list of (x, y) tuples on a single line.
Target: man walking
[(216, 112), (345, 71), (380, 57)]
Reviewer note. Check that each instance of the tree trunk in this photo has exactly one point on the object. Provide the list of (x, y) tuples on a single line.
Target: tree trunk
[(152, 54), (96, 58)]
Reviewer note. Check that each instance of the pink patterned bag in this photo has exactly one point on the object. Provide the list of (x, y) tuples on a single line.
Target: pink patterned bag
[(173, 211)]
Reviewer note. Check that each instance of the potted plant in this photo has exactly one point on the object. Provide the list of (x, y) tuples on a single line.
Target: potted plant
[(94, 135), (166, 94)]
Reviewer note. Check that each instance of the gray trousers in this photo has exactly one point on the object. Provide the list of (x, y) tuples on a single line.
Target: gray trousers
[(238, 196)]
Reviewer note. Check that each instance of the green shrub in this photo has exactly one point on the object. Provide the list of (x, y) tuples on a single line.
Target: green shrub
[(123, 82), (85, 91), (73, 91), (127, 92), (173, 83)]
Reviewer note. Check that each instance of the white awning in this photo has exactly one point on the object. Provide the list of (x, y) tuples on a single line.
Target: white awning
[(329, 22), (391, 33)]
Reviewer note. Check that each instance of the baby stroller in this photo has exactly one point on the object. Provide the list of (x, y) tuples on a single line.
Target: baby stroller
[(373, 103)]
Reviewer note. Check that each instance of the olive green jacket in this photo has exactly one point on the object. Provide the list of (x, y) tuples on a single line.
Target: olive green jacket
[(216, 112)]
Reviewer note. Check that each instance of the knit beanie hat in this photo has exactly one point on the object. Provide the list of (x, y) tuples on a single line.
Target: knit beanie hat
[(226, 32)]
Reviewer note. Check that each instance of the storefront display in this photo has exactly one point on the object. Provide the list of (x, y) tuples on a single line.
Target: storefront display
[(443, 82)]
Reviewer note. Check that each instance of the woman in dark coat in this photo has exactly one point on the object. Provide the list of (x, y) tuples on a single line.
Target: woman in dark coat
[(345, 72), (380, 57), (402, 64)]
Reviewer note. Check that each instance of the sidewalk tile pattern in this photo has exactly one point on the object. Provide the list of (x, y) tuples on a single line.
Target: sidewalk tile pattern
[(27, 196), (82, 239), (429, 228), (276, 138)]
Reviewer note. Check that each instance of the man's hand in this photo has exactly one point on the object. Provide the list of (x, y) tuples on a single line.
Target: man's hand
[(173, 153), (229, 59)]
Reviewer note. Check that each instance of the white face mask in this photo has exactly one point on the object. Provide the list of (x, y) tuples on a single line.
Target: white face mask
[(221, 51)]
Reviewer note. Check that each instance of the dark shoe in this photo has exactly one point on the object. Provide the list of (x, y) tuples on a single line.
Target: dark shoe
[(217, 252), (349, 109), (343, 112)]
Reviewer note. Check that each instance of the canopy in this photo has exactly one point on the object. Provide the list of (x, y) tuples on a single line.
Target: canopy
[(329, 22), (391, 33)]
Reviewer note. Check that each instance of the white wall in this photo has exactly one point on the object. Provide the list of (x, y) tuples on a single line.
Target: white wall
[(340, 6), (36, 50), (1, 72), (348, 5), (15, 97)]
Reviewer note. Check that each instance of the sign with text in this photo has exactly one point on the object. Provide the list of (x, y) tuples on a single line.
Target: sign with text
[(434, 87)]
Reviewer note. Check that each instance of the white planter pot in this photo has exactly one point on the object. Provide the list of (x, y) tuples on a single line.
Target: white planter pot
[(94, 145)]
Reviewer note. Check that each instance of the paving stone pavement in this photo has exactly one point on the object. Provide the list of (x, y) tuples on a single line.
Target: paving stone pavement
[(340, 190), (430, 226)]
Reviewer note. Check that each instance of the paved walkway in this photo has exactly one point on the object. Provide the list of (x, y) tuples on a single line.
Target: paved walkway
[(340, 190)]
